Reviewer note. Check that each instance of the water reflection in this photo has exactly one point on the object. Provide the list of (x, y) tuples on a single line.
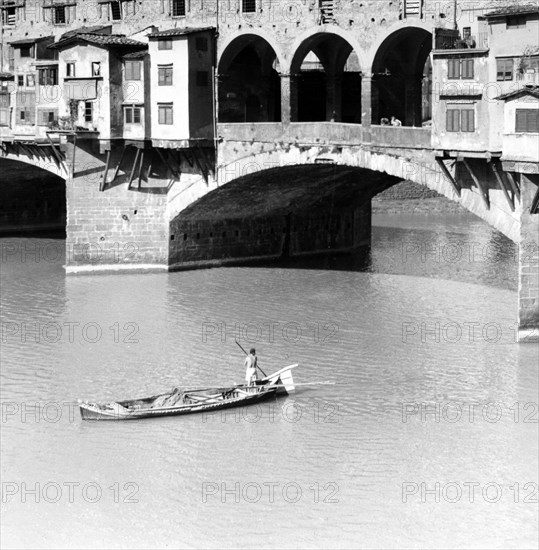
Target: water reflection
[(349, 447)]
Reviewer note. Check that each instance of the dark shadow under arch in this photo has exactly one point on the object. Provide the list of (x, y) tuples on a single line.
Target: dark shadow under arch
[(402, 83), (248, 68)]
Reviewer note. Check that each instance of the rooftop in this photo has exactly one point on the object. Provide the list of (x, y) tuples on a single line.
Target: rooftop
[(512, 10), (96, 29), (30, 41), (112, 40), (179, 32), (526, 90), (135, 55)]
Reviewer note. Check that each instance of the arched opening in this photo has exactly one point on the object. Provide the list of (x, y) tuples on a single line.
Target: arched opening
[(249, 82), (402, 81), (33, 202), (326, 81)]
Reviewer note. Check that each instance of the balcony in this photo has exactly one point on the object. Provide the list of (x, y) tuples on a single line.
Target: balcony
[(450, 39)]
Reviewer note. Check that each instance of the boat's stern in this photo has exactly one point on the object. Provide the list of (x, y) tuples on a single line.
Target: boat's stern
[(284, 379)]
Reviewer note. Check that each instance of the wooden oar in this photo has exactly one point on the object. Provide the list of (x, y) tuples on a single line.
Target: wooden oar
[(256, 362)]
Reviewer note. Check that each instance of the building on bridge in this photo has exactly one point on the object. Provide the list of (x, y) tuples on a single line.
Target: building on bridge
[(148, 91)]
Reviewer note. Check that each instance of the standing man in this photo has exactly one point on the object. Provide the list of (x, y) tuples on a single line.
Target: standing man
[(250, 365)]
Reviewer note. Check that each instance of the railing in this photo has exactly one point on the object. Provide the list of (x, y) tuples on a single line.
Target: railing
[(295, 132), (450, 39), (405, 137)]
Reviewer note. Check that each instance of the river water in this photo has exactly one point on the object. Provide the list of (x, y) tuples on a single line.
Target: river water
[(427, 437)]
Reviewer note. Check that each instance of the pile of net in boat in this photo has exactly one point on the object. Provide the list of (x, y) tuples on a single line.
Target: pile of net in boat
[(169, 399)]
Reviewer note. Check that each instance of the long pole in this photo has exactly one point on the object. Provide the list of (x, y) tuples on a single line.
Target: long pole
[(248, 354)]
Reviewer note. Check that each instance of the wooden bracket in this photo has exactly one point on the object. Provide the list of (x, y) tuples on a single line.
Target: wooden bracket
[(482, 191), (132, 175), (105, 173), (175, 175), (514, 185), (449, 176), (140, 169), (534, 209), (117, 170), (503, 187)]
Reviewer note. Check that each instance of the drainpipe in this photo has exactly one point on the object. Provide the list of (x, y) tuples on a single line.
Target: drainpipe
[(455, 25), (215, 84)]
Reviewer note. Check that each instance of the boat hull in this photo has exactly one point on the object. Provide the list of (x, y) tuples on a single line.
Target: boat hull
[(214, 399)]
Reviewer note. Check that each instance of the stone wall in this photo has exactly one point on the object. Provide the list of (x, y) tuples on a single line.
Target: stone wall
[(204, 243), (528, 270), (407, 190), (116, 228)]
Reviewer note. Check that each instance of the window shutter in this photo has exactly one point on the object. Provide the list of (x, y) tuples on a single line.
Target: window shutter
[(452, 124), (467, 68), (453, 68), (468, 120)]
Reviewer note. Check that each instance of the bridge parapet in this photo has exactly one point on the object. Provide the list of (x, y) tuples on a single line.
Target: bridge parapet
[(326, 133)]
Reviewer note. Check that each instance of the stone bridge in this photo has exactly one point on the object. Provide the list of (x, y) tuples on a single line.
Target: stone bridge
[(402, 152)]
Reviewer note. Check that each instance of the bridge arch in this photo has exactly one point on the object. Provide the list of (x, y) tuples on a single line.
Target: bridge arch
[(422, 170), (32, 199), (325, 70), (401, 73), (41, 162), (249, 87)]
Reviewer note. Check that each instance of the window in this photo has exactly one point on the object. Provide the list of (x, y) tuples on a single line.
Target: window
[(516, 21), (30, 80), (9, 16), (202, 78), (527, 121), (178, 8), (25, 116), (460, 120), (59, 15), (248, 6), (48, 76), (46, 118), (164, 44), (164, 73), (116, 10), (504, 69), (528, 64), (11, 58), (4, 117), (20, 80), (96, 68), (132, 70), (70, 69), (88, 111), (201, 44), (165, 113), (27, 51), (460, 69), (132, 114)]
